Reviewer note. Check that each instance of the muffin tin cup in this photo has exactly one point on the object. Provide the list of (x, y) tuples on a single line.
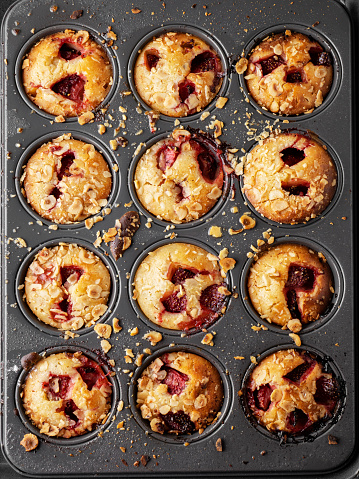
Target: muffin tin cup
[(193, 30), (323, 426), (112, 303), (138, 311), (49, 31), (183, 438), (316, 36), (338, 281), (76, 440), (214, 211), (330, 209), (75, 135)]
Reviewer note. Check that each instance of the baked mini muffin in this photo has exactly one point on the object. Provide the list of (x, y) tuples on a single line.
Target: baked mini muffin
[(290, 285), (66, 394), (177, 74), (179, 286), (67, 286), (180, 393), (179, 179), (289, 391), (67, 180), (289, 74), (289, 178), (67, 73)]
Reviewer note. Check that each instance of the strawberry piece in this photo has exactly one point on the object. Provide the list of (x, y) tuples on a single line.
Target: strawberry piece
[(57, 387), (204, 62), (178, 421), (175, 380), (297, 188), (292, 156), (181, 274), (327, 392), (69, 52), (71, 87), (270, 64), (89, 376), (151, 59), (262, 398), (298, 421), (185, 89), (174, 303), (212, 299), (67, 271), (166, 156)]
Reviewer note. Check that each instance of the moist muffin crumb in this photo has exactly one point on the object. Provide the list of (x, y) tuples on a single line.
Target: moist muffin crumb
[(66, 395), (289, 391), (67, 286), (289, 178), (67, 73), (179, 286), (180, 178), (67, 180), (178, 74), (290, 285), (180, 393), (289, 74)]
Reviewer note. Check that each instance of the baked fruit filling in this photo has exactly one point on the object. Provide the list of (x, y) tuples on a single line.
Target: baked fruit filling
[(290, 391), (319, 57), (300, 278), (71, 87), (179, 393), (291, 156), (69, 51), (296, 187), (267, 65), (295, 76), (185, 89)]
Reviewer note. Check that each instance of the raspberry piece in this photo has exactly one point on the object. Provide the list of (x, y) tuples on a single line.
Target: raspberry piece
[(58, 387), (301, 372), (318, 57), (69, 52), (178, 421), (181, 274), (71, 87), (262, 398), (174, 303), (270, 64), (292, 156), (175, 380), (166, 156), (66, 161), (300, 277), (297, 188), (298, 421), (185, 89), (294, 76), (212, 299), (67, 271), (204, 62), (151, 59), (291, 297), (327, 392), (89, 376)]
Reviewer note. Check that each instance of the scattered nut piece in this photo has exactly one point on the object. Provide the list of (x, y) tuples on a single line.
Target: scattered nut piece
[(247, 222), (154, 337), (135, 10), (59, 119), (227, 264), (239, 358), (103, 330), (332, 440), (215, 231), (101, 129), (241, 65), (105, 345), (221, 102), (208, 339), (253, 360), (134, 331), (294, 325), (30, 442), (116, 325), (76, 14), (145, 460), (296, 339), (231, 231), (219, 445), (126, 226), (86, 117)]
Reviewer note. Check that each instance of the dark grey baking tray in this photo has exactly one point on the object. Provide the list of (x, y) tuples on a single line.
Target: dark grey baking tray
[(233, 26)]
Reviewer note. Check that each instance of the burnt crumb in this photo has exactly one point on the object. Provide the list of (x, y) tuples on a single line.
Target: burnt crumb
[(103, 359), (145, 460), (194, 5), (123, 142), (29, 360), (76, 14), (126, 226), (263, 453), (16, 411), (124, 462), (219, 445), (136, 464), (332, 440)]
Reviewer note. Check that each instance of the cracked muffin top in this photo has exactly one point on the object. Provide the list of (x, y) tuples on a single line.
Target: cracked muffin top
[(290, 391), (67, 180), (179, 286), (290, 285), (67, 73), (178, 74), (66, 395), (179, 179), (180, 393), (289, 74), (289, 178), (67, 286)]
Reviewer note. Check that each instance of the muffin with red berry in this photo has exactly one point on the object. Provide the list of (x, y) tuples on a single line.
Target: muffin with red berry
[(178, 74), (67, 180), (291, 392), (66, 395), (180, 393), (67, 73), (67, 286), (179, 286), (290, 285), (179, 179), (289, 73), (289, 178)]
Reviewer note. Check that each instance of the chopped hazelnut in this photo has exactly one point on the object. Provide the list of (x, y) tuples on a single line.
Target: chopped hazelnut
[(247, 222), (103, 330), (30, 442)]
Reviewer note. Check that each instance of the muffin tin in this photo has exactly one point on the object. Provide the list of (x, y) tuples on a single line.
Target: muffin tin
[(234, 27)]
